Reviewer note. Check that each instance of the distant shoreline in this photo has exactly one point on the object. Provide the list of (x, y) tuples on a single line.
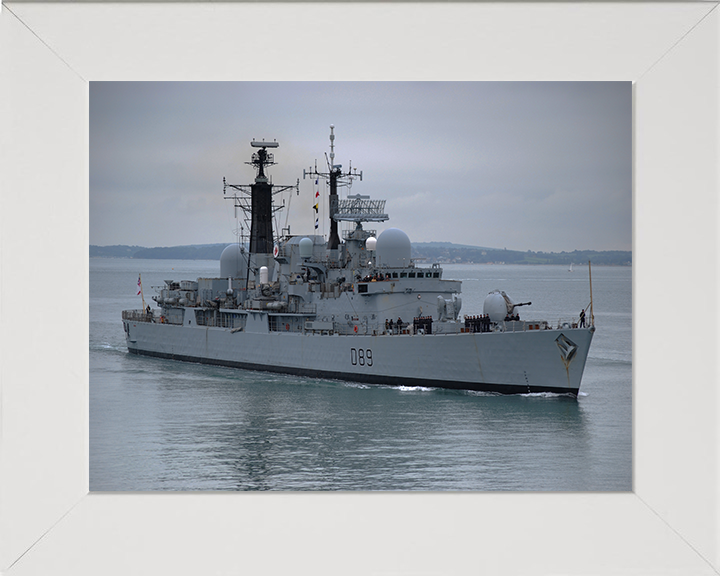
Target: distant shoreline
[(441, 252)]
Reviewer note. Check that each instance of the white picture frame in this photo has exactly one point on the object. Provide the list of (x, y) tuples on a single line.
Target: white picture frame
[(49, 523)]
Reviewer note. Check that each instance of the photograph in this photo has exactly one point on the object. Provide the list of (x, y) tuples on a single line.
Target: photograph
[(360, 286)]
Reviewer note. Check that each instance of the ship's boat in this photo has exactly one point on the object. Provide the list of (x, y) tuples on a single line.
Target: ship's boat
[(353, 308)]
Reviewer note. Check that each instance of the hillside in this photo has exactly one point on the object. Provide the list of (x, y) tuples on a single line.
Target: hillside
[(467, 254), (427, 252)]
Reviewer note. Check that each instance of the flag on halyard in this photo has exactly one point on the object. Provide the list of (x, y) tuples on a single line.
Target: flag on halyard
[(316, 223), (316, 207), (142, 295), (316, 181), (317, 193)]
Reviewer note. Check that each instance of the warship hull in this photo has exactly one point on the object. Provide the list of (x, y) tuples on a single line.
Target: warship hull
[(513, 360)]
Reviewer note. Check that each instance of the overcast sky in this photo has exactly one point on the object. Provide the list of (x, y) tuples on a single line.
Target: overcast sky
[(542, 166)]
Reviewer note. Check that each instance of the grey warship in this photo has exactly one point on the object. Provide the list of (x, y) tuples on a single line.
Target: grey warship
[(356, 308)]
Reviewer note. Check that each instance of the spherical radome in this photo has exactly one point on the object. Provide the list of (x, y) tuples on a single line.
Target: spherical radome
[(393, 248), (306, 248), (233, 262)]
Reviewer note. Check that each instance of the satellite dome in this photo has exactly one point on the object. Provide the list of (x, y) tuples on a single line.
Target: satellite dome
[(393, 248), (371, 243), (233, 262), (306, 248)]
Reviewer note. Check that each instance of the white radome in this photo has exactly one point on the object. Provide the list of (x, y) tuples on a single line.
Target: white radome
[(306, 248), (393, 248), (233, 262)]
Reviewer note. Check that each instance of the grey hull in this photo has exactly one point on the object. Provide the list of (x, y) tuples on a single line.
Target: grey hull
[(508, 362)]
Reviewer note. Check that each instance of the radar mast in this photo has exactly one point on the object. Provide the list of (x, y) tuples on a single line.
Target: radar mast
[(336, 177), (256, 199)]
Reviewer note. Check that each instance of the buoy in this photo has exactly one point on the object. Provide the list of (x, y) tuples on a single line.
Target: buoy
[(287, 326), (355, 328), (276, 251)]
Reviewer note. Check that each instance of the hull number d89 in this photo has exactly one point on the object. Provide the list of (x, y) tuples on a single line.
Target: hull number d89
[(361, 356)]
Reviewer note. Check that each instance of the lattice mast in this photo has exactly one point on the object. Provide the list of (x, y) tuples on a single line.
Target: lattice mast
[(257, 201), (337, 178)]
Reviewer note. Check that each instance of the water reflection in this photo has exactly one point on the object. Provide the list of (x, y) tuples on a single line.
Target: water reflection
[(266, 432)]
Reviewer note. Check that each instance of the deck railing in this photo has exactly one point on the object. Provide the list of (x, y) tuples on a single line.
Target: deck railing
[(138, 316)]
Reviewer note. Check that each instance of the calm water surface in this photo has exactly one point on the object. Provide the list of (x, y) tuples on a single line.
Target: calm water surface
[(165, 425)]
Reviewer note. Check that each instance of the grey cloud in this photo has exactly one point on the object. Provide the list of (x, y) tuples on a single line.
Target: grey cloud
[(554, 157)]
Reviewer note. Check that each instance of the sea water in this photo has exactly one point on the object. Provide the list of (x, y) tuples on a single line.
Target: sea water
[(159, 424)]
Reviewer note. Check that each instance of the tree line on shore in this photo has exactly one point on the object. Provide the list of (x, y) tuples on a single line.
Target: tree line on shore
[(422, 251)]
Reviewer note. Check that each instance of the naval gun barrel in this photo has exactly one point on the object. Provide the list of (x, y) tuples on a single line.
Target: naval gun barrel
[(522, 304)]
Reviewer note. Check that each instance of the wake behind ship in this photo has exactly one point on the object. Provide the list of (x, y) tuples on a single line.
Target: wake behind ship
[(353, 308)]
